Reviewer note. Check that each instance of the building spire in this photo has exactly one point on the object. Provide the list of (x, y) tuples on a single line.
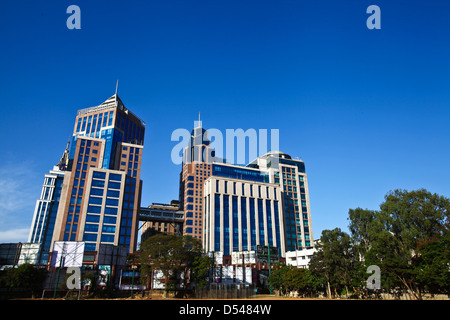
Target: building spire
[(117, 86), (198, 124), (64, 161)]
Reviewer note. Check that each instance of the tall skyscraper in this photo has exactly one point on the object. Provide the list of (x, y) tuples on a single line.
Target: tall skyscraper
[(44, 218), (196, 168), (101, 192)]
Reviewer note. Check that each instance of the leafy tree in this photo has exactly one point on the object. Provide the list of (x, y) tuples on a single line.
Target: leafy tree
[(278, 276), (406, 239), (169, 253), (434, 261), (363, 228), (334, 260), (26, 276), (200, 270), (297, 279)]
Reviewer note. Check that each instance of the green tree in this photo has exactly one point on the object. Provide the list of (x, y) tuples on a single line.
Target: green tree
[(169, 253), (278, 276), (334, 260), (362, 228), (403, 236), (297, 279), (26, 276), (200, 270), (434, 262)]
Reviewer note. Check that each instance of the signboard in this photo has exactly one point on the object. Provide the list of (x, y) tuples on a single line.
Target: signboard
[(227, 274), (217, 255), (67, 254), (109, 254), (240, 275), (262, 252), (249, 257), (29, 253)]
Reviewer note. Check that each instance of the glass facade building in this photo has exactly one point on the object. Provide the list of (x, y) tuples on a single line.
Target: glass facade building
[(242, 211), (264, 203), (101, 194), (196, 168), (44, 218)]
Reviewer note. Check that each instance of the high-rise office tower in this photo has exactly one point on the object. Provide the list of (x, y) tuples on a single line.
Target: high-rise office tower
[(101, 192), (243, 209), (196, 168), (44, 218), (291, 176), (264, 203)]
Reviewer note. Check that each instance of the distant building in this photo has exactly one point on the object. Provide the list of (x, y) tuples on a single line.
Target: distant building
[(290, 175), (299, 258), (46, 209), (161, 218), (196, 168)]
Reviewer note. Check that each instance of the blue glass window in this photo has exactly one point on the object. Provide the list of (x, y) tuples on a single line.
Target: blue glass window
[(91, 227), (105, 118), (94, 209), (84, 124), (90, 237), (277, 226), (89, 247), (226, 224), (111, 114), (252, 223), (114, 185), (113, 193), (110, 210), (112, 202), (115, 177), (79, 125), (88, 128), (96, 192), (261, 222), (95, 200), (109, 229), (216, 222), (269, 222), (244, 223), (92, 218), (239, 173), (235, 223), (110, 220), (98, 183), (98, 175)]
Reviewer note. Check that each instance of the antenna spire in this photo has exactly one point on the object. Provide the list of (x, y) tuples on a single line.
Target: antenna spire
[(117, 86)]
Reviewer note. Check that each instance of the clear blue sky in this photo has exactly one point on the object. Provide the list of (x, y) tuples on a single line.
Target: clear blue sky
[(367, 110)]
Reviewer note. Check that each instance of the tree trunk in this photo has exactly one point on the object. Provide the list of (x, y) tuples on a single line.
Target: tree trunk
[(329, 290)]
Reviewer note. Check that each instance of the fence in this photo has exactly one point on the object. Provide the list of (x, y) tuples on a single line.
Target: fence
[(225, 291)]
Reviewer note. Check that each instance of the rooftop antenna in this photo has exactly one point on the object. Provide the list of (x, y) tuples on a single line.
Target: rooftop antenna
[(117, 86), (199, 123)]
